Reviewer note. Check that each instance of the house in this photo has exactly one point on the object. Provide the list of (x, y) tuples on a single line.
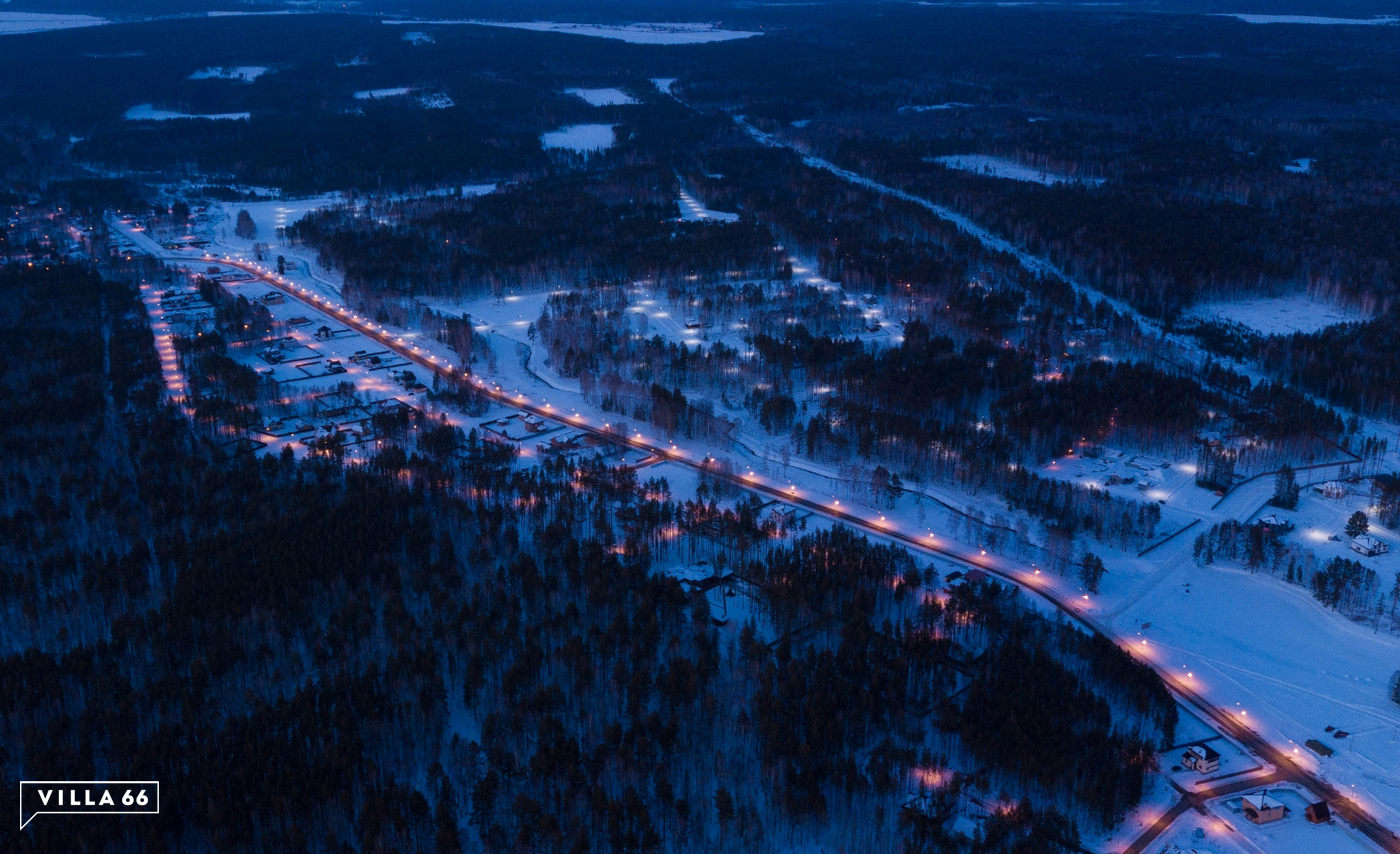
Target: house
[(1202, 758), (1260, 808), (1368, 546), (323, 332), (1331, 489), (1318, 813), (1276, 524)]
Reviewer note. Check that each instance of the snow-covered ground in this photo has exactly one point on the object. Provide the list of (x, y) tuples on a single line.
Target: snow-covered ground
[(16, 23), (1290, 665), (664, 84), (1250, 18), (436, 101), (148, 113), (1001, 167), (241, 73), (388, 92), (602, 97), (692, 210), (1319, 519), (1301, 166), (588, 137), (414, 37), (1278, 315), (638, 33), (1292, 834), (932, 108), (1289, 668)]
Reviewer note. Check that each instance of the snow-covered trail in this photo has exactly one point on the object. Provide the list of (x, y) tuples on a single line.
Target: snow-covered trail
[(1031, 262)]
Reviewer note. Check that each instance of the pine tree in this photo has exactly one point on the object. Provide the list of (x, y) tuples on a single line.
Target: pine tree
[(1285, 489), (245, 227), (1091, 570), (1358, 524)]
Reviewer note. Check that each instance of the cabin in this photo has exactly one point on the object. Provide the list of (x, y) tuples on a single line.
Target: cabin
[(1275, 524), (1260, 808), (1201, 758), (323, 332), (1368, 546), (1318, 813)]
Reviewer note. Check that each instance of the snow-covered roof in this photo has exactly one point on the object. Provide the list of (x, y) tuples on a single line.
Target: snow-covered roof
[(1262, 801)]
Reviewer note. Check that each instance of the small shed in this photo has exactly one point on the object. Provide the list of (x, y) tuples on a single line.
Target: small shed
[(1318, 813)]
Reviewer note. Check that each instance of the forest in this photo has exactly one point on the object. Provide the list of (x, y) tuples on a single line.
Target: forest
[(310, 656)]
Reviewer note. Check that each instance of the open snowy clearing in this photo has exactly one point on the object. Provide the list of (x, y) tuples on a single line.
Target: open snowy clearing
[(1310, 19), (602, 97), (640, 33), (664, 84), (17, 23), (1288, 667), (389, 92), (1301, 166), (580, 138), (1278, 315), (1001, 167), (149, 113), (694, 211), (241, 73), (933, 108)]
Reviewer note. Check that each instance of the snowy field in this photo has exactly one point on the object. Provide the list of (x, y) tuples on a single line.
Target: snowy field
[(664, 84), (16, 23), (241, 73), (581, 138), (693, 211), (389, 92), (1289, 667), (1301, 166), (602, 97), (1277, 315), (416, 38), (654, 33), (933, 108), (148, 113), (1001, 167), (1311, 19)]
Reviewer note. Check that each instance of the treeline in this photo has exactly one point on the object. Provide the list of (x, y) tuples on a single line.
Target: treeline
[(1346, 364), (569, 228)]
